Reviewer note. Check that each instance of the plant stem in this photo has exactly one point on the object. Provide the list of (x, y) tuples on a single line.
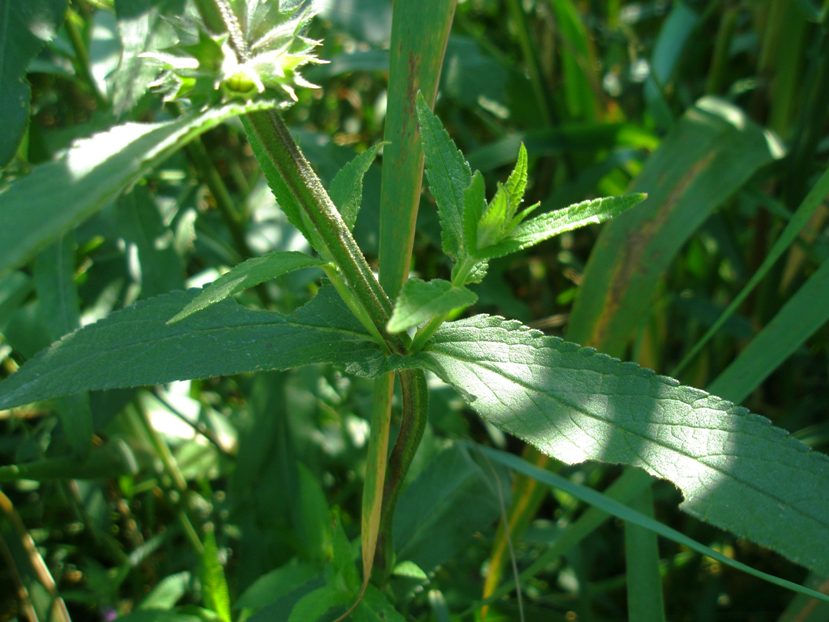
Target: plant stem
[(415, 398), (304, 188)]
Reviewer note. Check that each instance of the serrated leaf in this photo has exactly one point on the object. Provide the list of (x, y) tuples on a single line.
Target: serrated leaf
[(420, 301), (449, 176), (54, 197), (517, 181), (24, 27), (555, 223), (474, 203), (575, 404), (245, 275), (346, 189), (136, 347)]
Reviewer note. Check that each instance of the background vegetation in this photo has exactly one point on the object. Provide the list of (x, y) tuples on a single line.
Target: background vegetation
[(239, 476)]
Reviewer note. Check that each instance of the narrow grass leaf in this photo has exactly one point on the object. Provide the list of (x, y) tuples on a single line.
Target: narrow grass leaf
[(37, 209), (418, 31), (449, 176), (420, 301), (346, 190), (555, 223), (575, 404), (628, 514), (644, 583), (802, 315), (793, 228), (136, 347), (245, 275), (711, 152)]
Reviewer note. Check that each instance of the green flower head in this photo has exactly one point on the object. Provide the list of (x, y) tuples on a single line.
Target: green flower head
[(259, 58)]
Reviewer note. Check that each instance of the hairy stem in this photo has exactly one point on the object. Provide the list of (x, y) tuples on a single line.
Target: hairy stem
[(305, 190)]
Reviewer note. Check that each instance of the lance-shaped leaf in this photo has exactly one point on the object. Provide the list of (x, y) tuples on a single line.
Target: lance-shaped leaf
[(346, 189), (245, 275), (420, 301), (137, 347), (449, 175), (555, 223), (735, 469), (37, 209)]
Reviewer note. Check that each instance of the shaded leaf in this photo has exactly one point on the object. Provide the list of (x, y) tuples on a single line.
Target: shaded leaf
[(246, 275), (575, 404), (24, 28), (449, 176), (440, 511), (346, 189), (136, 347), (420, 301), (627, 513), (114, 458), (802, 315)]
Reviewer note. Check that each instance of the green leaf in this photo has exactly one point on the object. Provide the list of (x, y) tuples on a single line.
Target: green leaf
[(214, 582), (420, 301), (142, 28), (575, 404), (437, 515), (54, 276), (54, 197), (313, 525), (114, 458), (246, 275), (555, 223), (517, 181), (346, 189), (136, 347), (802, 315), (24, 28), (474, 203), (713, 150), (277, 584), (449, 176), (628, 514), (798, 222)]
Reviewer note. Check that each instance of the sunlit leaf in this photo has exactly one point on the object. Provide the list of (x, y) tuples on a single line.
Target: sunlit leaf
[(575, 404), (54, 197)]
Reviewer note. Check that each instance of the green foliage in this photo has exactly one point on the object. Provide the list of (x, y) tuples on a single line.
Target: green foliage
[(576, 404), (306, 451), (245, 275), (420, 301), (25, 27), (59, 195)]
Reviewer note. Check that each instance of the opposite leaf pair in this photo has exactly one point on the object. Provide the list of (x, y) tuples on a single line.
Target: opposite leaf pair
[(474, 231)]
